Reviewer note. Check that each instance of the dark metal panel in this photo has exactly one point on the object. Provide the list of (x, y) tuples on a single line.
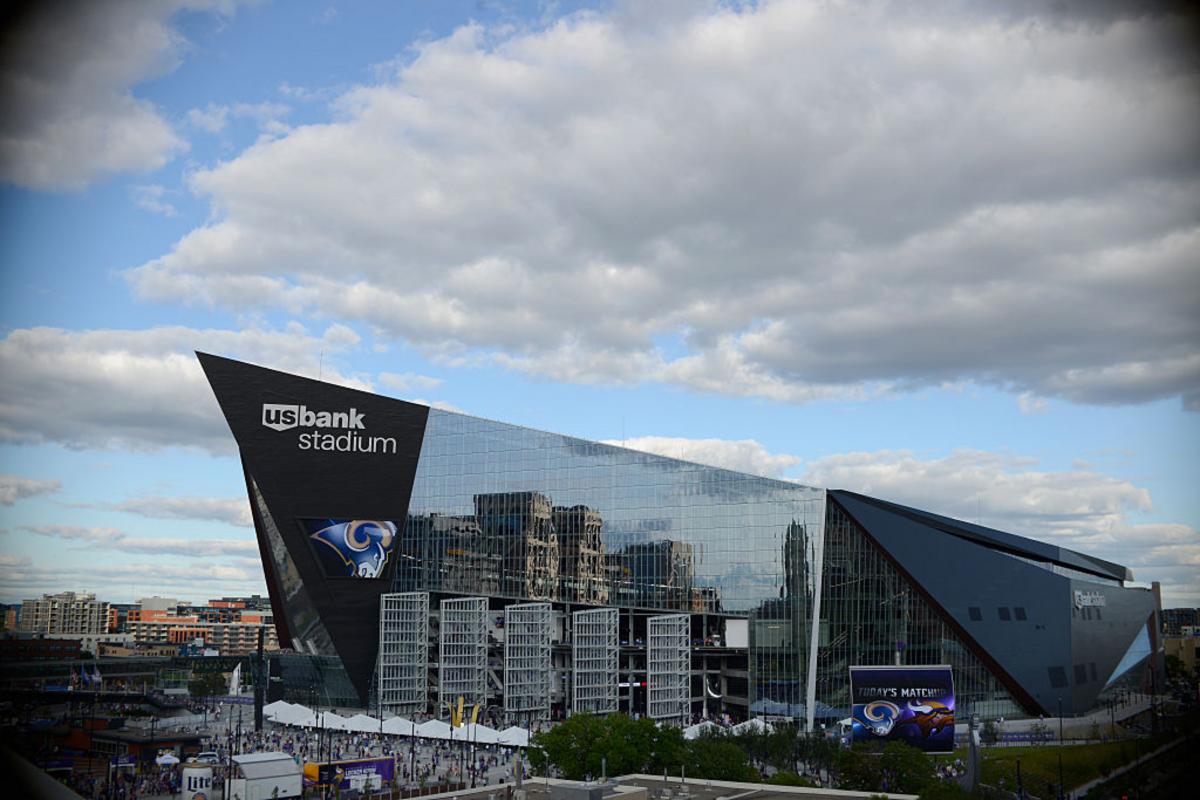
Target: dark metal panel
[(310, 483), (1104, 622), (1003, 540), (955, 575), (1024, 619)]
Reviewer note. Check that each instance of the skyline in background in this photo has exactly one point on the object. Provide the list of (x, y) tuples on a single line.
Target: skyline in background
[(941, 255)]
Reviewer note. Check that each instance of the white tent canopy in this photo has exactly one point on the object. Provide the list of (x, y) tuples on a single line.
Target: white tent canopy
[(285, 713), (480, 734), (290, 714), (755, 725), (399, 726), (271, 709), (332, 721), (698, 730), (514, 737), (363, 723), (435, 729)]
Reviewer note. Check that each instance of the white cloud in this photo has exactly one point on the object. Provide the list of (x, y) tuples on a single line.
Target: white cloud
[(114, 540), (807, 200), (15, 487), (152, 198), (439, 404), (1030, 403), (407, 382), (215, 117), (1081, 508), (90, 388), (745, 455), (77, 533), (126, 582), (66, 78), (229, 510)]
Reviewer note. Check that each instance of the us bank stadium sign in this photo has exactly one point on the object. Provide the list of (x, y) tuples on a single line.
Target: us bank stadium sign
[(1089, 599), (333, 431)]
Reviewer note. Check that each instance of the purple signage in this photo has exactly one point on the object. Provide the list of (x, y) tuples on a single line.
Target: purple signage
[(355, 774), (914, 705)]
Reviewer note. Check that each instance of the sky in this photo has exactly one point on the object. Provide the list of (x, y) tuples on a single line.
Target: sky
[(942, 253)]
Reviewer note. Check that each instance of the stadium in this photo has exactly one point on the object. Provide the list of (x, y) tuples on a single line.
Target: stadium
[(427, 555)]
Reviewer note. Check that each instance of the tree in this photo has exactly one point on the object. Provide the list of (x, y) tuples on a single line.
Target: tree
[(207, 683), (989, 734), (790, 779), (718, 757), (905, 768), (779, 748), (588, 745), (855, 768)]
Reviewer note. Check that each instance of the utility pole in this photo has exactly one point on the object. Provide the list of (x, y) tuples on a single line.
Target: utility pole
[(258, 684), (1061, 788)]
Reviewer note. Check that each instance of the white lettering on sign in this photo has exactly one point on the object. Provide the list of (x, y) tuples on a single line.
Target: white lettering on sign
[(1089, 599), (285, 417)]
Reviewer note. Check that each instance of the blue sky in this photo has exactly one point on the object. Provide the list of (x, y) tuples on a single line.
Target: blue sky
[(861, 245)]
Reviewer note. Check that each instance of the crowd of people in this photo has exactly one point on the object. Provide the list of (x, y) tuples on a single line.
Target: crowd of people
[(127, 784), (419, 762)]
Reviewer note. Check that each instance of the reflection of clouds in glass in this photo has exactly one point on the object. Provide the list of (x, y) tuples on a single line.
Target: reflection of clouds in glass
[(668, 531)]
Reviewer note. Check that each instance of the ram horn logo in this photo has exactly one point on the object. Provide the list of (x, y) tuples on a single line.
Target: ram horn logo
[(362, 545), (880, 717)]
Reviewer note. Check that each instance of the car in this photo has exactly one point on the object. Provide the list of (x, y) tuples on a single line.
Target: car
[(208, 757)]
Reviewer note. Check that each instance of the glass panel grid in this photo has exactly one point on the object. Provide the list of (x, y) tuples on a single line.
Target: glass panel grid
[(867, 607), (669, 669), (462, 652), (594, 657), (404, 652), (527, 660)]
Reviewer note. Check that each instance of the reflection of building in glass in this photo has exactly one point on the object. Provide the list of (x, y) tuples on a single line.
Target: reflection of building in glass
[(785, 586), (520, 531), (451, 553), (660, 573), (582, 570)]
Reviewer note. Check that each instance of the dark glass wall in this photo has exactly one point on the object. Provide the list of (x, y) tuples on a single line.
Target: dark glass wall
[(871, 615)]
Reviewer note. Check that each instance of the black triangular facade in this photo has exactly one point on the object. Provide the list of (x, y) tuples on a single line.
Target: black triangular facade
[(299, 483)]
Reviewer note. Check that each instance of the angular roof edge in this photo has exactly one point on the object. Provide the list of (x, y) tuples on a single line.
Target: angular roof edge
[(206, 358), (1001, 540)]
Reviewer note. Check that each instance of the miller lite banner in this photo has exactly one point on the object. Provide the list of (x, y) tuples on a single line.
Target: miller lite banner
[(914, 705)]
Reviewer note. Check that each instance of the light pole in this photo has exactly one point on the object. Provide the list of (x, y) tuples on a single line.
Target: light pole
[(412, 752), (1060, 746)]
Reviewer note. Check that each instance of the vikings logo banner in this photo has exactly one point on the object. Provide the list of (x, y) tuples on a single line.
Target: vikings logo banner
[(914, 705), (357, 548)]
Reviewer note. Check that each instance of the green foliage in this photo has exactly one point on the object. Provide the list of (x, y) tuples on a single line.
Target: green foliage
[(855, 768), (790, 779), (717, 757), (905, 768), (207, 683), (581, 745), (585, 745), (896, 767), (1039, 765)]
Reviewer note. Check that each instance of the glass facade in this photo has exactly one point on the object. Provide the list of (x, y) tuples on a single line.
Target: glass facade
[(504, 511), (782, 589), (871, 615)]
